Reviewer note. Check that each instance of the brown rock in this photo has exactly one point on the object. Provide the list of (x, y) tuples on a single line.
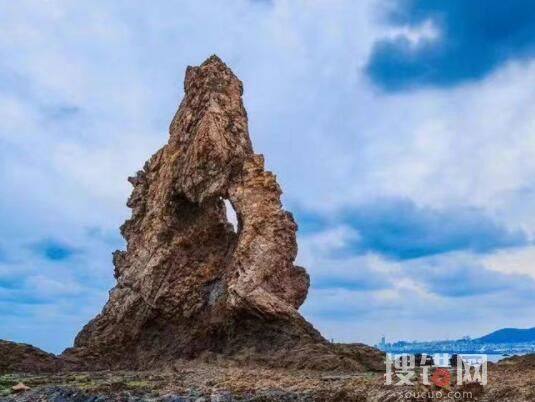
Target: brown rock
[(20, 357), (20, 387), (188, 283)]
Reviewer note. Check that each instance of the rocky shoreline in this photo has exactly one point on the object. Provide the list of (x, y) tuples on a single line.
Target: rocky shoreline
[(192, 381), (510, 380)]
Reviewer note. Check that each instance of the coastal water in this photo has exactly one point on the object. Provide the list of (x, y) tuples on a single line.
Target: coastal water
[(496, 358), (491, 357)]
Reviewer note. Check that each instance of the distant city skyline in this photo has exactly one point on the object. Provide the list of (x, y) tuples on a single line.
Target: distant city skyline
[(506, 341)]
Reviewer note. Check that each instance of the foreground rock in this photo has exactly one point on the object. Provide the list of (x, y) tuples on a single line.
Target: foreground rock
[(20, 357), (190, 285), (187, 382), (193, 381)]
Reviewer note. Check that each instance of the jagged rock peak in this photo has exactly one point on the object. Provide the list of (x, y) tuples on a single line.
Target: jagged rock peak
[(209, 132)]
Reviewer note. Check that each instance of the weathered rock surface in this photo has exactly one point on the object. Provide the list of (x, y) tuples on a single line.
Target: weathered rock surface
[(20, 357), (510, 380), (196, 382), (189, 285)]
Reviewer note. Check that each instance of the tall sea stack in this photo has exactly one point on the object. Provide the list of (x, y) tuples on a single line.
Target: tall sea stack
[(191, 285)]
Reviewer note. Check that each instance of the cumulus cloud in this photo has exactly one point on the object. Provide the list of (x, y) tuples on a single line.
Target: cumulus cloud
[(398, 228), (471, 42), (54, 250), (464, 275), (46, 290), (519, 261), (433, 297)]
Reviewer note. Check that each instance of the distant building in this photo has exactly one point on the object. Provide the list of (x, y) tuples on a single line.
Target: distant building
[(382, 345)]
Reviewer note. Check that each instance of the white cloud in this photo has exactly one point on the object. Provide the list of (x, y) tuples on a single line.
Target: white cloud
[(519, 260), (415, 35)]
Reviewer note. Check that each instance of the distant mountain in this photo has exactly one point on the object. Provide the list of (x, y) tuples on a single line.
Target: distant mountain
[(509, 335)]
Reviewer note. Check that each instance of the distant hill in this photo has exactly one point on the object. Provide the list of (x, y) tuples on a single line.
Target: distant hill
[(509, 335)]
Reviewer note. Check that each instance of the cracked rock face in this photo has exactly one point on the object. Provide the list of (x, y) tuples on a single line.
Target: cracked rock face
[(189, 284)]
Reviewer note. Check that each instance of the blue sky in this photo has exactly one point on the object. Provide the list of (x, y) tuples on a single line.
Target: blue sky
[(401, 132)]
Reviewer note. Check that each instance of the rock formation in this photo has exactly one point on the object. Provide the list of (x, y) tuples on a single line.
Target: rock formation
[(20, 357), (189, 284)]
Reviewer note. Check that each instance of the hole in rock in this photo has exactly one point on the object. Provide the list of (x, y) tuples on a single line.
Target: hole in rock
[(232, 217)]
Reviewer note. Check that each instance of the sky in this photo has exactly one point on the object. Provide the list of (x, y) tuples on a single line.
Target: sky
[(401, 132)]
